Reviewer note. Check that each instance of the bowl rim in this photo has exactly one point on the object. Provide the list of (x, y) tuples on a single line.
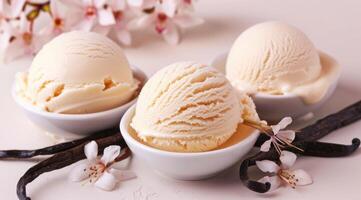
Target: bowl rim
[(223, 56), (124, 123), (33, 109)]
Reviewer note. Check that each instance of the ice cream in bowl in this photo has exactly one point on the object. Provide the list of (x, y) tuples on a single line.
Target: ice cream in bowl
[(77, 84), (187, 122), (281, 68)]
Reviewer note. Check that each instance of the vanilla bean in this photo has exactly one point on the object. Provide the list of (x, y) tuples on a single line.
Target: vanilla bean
[(325, 125), (20, 154), (63, 159)]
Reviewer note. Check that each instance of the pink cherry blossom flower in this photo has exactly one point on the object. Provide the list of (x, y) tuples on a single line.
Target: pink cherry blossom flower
[(166, 21), (60, 22), (19, 40), (283, 174), (93, 12), (100, 171)]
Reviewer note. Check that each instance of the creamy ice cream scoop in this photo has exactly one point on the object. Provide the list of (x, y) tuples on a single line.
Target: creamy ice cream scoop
[(187, 107), (78, 72), (277, 58)]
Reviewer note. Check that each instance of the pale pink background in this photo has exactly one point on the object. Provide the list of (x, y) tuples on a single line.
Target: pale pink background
[(334, 27)]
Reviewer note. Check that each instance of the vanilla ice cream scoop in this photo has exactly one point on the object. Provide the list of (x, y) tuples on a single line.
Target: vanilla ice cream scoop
[(187, 107), (276, 58), (78, 72)]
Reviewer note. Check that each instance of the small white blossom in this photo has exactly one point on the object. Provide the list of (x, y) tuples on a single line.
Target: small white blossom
[(100, 171), (283, 174)]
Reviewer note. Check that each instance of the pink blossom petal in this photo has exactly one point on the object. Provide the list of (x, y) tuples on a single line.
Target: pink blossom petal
[(288, 135), (169, 7), (99, 3), (285, 122), (136, 3), (268, 166), (186, 21), (16, 7), (15, 50), (118, 4), (273, 180), (275, 129), (87, 2), (287, 159), (266, 145), (106, 17), (302, 177), (124, 37), (110, 153), (106, 182), (140, 22), (91, 150), (123, 175), (86, 24), (171, 35), (73, 3), (23, 24), (54, 9), (79, 172)]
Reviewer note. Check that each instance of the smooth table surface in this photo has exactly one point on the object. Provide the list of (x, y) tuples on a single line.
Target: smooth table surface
[(333, 26)]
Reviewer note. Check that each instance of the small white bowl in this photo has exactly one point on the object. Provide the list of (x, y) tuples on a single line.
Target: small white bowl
[(186, 166), (275, 107), (73, 126)]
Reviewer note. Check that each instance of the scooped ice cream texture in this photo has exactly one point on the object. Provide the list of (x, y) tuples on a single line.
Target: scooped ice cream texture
[(189, 107), (78, 72), (276, 58)]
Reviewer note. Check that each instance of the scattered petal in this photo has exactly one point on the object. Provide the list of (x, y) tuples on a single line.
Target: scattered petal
[(287, 159), (106, 182), (285, 122), (287, 135), (169, 7), (268, 166), (91, 150), (110, 153)]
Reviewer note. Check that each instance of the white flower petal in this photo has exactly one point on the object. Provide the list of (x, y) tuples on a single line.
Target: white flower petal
[(273, 180), (303, 178), (140, 22), (266, 145), (288, 135), (104, 30), (16, 7), (86, 24), (136, 3), (124, 37), (110, 153), (106, 182), (15, 50), (99, 3), (170, 34), (287, 159), (285, 122), (87, 2), (79, 172), (186, 21), (91, 150), (54, 8), (275, 129), (122, 175), (23, 24), (72, 3), (268, 166), (169, 7), (106, 17), (118, 4)]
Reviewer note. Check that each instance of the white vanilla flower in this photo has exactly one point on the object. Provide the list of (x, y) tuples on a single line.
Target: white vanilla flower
[(100, 171), (283, 174), (278, 137)]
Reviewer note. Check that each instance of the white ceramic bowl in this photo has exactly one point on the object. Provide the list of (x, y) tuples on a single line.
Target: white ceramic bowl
[(73, 126), (186, 166), (275, 107)]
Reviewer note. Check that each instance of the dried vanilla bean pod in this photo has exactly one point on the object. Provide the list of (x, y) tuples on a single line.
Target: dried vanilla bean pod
[(310, 148), (55, 148), (325, 125), (61, 160)]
